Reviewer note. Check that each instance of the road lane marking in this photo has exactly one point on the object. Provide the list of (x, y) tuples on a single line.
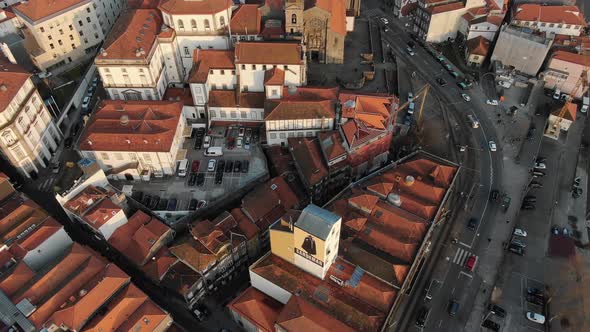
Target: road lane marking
[(465, 274), (465, 244)]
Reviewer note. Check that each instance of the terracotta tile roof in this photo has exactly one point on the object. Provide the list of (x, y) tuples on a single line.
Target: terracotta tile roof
[(445, 8), (15, 280), (246, 20), (180, 278), (12, 77), (261, 201), (146, 4), (549, 14), (381, 188), (307, 155), (159, 265), (142, 126), (228, 98), (133, 35), (205, 60), (331, 144), (258, 308), (280, 53), (293, 110), (495, 20), (300, 315), (246, 227), (479, 46), (130, 310), (358, 308), (19, 215), (193, 254), (579, 59), (337, 10), (179, 94), (274, 76), (570, 113), (363, 202), (211, 238), (307, 93), (40, 234), (101, 213), (441, 175), (75, 316), (204, 7), (141, 236), (38, 9)]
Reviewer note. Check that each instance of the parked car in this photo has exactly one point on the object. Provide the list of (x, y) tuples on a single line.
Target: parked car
[(239, 142), (491, 325), (535, 317), (530, 199), (241, 131), (192, 180), (453, 308), (248, 132), (441, 82), (534, 291), (535, 184), (410, 96), (492, 145), (383, 20), (471, 224), (207, 141), (211, 165), (201, 204), (192, 206), (237, 166), (229, 166), (218, 178), (465, 97), (527, 207), (245, 166), (565, 232), (462, 85), (195, 166), (497, 310), (162, 204), (171, 204), (538, 173), (422, 317), (492, 102), (494, 195), (534, 299), (471, 262), (247, 143), (555, 230), (154, 202), (410, 51), (540, 166), (200, 179), (541, 159), (85, 103), (198, 143), (519, 232), (518, 242), (411, 44), (137, 195)]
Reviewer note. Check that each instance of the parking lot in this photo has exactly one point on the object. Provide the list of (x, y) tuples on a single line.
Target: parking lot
[(173, 197), (516, 294)]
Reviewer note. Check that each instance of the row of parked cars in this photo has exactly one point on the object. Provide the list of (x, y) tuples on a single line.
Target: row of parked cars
[(157, 203), (221, 166), (529, 201)]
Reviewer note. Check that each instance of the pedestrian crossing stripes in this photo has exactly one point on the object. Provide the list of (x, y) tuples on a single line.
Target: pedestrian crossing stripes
[(46, 185), (461, 256)]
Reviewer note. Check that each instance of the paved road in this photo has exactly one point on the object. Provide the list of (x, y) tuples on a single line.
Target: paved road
[(484, 169)]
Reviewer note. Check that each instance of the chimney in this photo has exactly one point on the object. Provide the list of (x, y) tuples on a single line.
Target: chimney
[(124, 120), (3, 87), (409, 180)]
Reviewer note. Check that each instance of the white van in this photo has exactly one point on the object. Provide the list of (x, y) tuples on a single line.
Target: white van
[(182, 167), (585, 104), (214, 151), (411, 108), (473, 121)]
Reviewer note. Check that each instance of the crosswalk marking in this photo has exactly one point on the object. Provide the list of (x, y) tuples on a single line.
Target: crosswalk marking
[(461, 256), (46, 185)]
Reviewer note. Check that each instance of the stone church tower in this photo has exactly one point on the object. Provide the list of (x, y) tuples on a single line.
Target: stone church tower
[(294, 16)]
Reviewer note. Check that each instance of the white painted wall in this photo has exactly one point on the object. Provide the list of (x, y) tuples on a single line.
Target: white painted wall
[(118, 220), (269, 288), (552, 28), (236, 114), (252, 76)]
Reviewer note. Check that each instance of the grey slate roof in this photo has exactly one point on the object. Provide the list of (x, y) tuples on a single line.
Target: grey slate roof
[(317, 221)]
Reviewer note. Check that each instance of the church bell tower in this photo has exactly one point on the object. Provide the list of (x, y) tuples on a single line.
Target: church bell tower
[(294, 16)]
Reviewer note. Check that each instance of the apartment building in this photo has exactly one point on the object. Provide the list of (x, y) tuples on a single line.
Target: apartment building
[(28, 136), (565, 72), (139, 60), (198, 25), (563, 20), (228, 107), (58, 32), (481, 21), (476, 51), (134, 140)]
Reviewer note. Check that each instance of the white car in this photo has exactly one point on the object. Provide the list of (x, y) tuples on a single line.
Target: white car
[(410, 97), (492, 102), (211, 165), (466, 97), (540, 166), (384, 20), (493, 147), (535, 317), (239, 142), (207, 141), (86, 102), (557, 94), (519, 232), (410, 51)]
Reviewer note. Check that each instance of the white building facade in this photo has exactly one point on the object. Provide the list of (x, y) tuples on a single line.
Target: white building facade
[(58, 33), (563, 20)]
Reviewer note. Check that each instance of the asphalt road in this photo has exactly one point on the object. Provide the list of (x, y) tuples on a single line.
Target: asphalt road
[(484, 168)]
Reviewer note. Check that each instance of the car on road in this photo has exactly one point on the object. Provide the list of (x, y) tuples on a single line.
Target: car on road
[(517, 250), (535, 184), (497, 310), (538, 173), (201, 204), (493, 146), (540, 166), (453, 308), (200, 179), (245, 166), (519, 232), (557, 94), (383, 20), (192, 180), (211, 165), (195, 166), (455, 75), (491, 325), (471, 224), (198, 143), (565, 232), (471, 262), (229, 166), (207, 141), (237, 166), (85, 103), (541, 159), (241, 131), (441, 82), (410, 96), (68, 142), (492, 102), (192, 206), (535, 317), (494, 195), (422, 317), (465, 97), (410, 51), (239, 142), (462, 85)]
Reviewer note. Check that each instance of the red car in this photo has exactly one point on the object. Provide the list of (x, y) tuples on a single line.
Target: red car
[(471, 262), (195, 166)]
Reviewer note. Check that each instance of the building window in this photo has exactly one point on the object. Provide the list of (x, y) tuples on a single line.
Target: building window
[(243, 67), (223, 114), (71, 27), (243, 115), (116, 95), (543, 24), (222, 72), (263, 67), (71, 37), (187, 51), (104, 156), (560, 25), (212, 114), (42, 29), (61, 32), (88, 9), (148, 95), (207, 26), (49, 37), (282, 135), (253, 67), (285, 68), (193, 24), (551, 25), (95, 35), (88, 19), (81, 33), (293, 18), (233, 115), (51, 45), (568, 26), (85, 40), (147, 158), (274, 92), (118, 156), (8, 138), (222, 21), (180, 25)]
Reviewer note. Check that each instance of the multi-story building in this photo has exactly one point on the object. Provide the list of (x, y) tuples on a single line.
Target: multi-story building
[(565, 72), (322, 25), (481, 21), (135, 139), (522, 49), (438, 20), (228, 107), (197, 24), (58, 32), (476, 51), (28, 134), (8, 23), (564, 20), (246, 23), (138, 59)]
